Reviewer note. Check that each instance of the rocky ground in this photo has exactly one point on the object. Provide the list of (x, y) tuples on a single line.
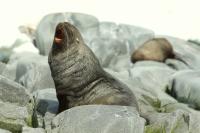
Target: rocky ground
[(168, 93)]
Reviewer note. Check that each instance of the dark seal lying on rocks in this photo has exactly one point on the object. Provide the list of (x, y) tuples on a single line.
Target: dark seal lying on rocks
[(78, 76), (156, 49)]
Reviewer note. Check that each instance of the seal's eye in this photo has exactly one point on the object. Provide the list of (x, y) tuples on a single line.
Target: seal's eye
[(59, 36)]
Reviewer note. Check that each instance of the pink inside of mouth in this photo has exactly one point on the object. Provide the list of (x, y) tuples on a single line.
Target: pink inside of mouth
[(59, 36)]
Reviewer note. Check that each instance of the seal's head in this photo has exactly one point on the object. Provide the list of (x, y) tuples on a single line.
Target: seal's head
[(66, 35)]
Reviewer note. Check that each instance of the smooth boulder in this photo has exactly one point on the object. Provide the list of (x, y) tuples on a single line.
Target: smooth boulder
[(45, 30), (99, 118), (184, 86)]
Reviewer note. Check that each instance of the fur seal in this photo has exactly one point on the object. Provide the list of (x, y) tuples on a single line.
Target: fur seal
[(78, 76), (157, 49)]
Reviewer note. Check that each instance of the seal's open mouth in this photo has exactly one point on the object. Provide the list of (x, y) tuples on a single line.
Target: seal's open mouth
[(59, 36)]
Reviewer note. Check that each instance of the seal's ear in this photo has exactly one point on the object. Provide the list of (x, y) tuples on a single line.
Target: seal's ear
[(59, 36)]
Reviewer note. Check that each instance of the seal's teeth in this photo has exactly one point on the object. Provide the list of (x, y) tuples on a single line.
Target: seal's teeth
[(57, 40)]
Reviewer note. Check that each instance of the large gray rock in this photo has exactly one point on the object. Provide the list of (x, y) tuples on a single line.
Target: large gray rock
[(115, 44), (13, 92), (175, 122), (46, 106), (152, 75), (185, 51), (185, 87), (130, 34), (152, 78), (13, 117), (99, 118), (112, 53), (46, 101), (10, 70), (30, 70), (148, 84), (46, 28), (4, 131), (16, 106), (37, 73)]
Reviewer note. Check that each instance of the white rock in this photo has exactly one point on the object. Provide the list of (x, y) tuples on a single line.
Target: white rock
[(99, 118), (33, 130)]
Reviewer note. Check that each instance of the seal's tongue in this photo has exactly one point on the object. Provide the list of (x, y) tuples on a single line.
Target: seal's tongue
[(59, 36)]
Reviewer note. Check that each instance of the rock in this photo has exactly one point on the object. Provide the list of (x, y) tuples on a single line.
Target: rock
[(154, 64), (46, 101), (33, 130), (26, 47), (4, 131), (47, 105), (195, 41), (49, 116), (186, 52), (99, 118), (16, 106), (176, 64), (117, 42), (111, 53), (10, 71), (30, 70), (2, 67), (24, 44), (133, 35), (168, 108), (175, 122), (28, 30), (184, 86), (13, 93), (90, 29), (87, 25), (5, 54), (147, 82), (152, 76), (152, 81), (13, 117), (21, 44), (38, 75)]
